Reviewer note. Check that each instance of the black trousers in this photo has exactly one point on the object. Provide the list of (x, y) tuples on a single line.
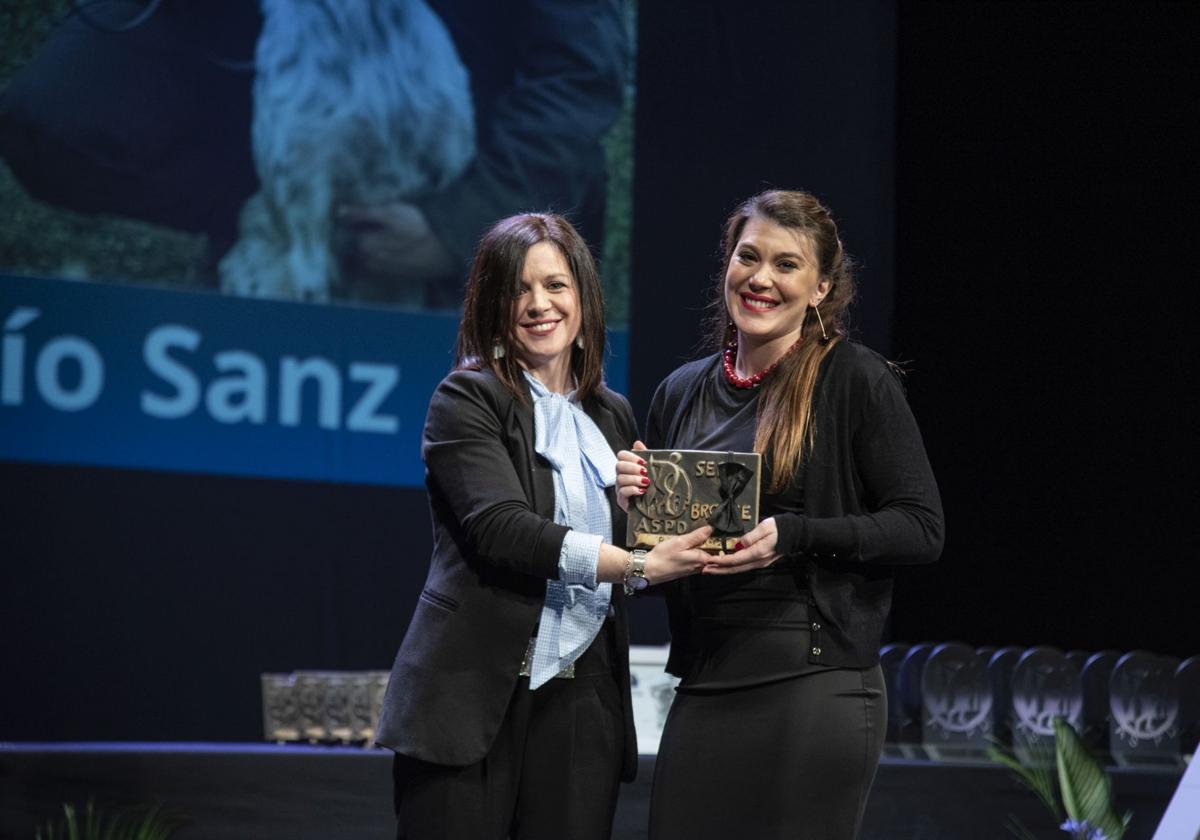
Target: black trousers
[(553, 771), (792, 759)]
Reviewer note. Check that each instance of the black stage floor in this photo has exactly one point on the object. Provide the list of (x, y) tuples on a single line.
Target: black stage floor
[(265, 792)]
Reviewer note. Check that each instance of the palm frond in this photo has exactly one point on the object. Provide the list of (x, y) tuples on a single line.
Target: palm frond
[(1018, 829), (1036, 776), (1086, 792)]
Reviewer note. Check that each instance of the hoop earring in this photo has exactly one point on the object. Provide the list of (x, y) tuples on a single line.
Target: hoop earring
[(824, 335)]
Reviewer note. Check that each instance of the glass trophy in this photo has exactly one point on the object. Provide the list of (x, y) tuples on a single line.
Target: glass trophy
[(280, 718)]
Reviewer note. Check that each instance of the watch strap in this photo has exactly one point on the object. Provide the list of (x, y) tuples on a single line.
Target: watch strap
[(634, 578)]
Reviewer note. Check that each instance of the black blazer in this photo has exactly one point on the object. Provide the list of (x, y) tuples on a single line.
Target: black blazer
[(495, 545)]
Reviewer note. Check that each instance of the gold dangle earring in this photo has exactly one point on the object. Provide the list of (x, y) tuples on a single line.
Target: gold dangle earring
[(824, 335)]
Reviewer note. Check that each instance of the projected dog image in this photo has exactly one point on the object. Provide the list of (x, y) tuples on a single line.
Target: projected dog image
[(355, 102)]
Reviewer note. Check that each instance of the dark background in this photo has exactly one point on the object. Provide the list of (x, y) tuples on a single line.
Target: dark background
[(1014, 179), (1046, 264)]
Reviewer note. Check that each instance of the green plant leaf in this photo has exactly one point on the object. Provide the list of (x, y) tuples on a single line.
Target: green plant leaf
[(1039, 758), (1018, 829), (1085, 787), (154, 825), (135, 823), (93, 821), (1037, 778), (72, 826)]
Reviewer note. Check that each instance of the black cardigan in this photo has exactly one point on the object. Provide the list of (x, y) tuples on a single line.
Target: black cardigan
[(870, 501)]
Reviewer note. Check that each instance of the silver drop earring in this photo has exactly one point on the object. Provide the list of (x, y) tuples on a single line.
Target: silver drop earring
[(579, 341), (497, 350)]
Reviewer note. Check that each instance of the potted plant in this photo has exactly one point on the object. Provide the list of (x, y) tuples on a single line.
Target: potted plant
[(144, 823), (1071, 783)]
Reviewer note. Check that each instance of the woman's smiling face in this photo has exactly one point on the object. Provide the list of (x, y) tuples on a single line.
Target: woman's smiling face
[(771, 281), (546, 312)]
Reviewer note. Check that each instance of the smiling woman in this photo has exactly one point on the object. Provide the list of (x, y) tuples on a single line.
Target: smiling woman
[(533, 270), (797, 716), (770, 283), (514, 674), (546, 312)]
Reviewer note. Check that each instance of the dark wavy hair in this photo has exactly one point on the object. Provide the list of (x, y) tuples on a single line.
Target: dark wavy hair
[(492, 287), (785, 430)]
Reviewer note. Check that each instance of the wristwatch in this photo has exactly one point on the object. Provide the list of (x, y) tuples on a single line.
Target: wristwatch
[(635, 572)]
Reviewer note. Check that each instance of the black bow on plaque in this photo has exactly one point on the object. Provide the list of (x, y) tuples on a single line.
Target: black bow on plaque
[(734, 478)]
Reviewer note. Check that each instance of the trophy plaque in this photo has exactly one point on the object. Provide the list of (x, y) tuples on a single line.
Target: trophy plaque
[(690, 489)]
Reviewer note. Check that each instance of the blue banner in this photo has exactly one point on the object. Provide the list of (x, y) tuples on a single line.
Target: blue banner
[(112, 375)]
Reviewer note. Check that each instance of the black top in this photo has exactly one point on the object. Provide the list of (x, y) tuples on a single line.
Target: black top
[(865, 501), (749, 628), (723, 418)]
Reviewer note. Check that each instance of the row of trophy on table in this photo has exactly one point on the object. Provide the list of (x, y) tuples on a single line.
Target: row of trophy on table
[(951, 699), (322, 707), (945, 700)]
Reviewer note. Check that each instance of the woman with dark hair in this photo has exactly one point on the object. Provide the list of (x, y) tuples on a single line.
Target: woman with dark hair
[(778, 722), (508, 705)]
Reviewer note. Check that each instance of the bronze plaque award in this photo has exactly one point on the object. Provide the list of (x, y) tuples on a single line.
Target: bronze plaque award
[(689, 489)]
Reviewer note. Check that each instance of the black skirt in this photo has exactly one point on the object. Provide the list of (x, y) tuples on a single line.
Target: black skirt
[(794, 758)]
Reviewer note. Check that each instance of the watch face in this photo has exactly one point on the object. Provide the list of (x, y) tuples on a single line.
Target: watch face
[(638, 583)]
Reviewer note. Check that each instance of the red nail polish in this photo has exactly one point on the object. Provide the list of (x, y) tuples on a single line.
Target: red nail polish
[(737, 546), (645, 481), (641, 463), (642, 490), (644, 472)]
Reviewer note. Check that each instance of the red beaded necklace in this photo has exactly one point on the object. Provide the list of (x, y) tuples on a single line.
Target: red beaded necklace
[(753, 380)]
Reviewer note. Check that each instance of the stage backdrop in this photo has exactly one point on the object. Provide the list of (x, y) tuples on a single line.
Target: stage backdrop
[(204, 477), (233, 239), (209, 457), (234, 242), (201, 481)]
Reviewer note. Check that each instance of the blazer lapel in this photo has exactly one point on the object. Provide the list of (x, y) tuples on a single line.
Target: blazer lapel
[(540, 487), (603, 417)]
